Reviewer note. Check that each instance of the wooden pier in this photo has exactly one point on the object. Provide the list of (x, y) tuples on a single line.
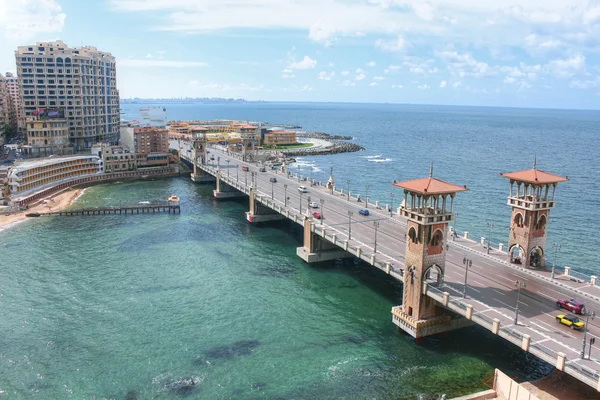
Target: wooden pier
[(141, 209)]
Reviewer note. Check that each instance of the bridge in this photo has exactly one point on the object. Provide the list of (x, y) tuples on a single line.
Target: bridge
[(471, 284)]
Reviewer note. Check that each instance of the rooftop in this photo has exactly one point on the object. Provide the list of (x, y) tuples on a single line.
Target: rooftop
[(430, 186), (534, 176)]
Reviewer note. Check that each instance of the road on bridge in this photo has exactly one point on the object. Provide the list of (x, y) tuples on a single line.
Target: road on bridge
[(491, 279)]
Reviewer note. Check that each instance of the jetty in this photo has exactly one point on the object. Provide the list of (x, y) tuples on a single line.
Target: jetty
[(135, 209)]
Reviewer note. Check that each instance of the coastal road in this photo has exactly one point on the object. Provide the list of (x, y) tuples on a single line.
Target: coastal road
[(491, 280)]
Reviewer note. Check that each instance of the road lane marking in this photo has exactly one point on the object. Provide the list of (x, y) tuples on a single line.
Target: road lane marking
[(539, 326), (507, 305), (499, 292)]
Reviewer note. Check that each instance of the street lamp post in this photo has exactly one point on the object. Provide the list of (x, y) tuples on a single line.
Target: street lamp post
[(301, 202), (366, 196), (219, 162), (556, 247), (330, 176), (468, 264), (350, 224), (322, 201), (228, 161), (348, 188), (519, 284), (272, 189), (392, 194), (246, 176), (285, 194), (489, 241), (455, 231), (237, 172), (376, 225), (585, 328)]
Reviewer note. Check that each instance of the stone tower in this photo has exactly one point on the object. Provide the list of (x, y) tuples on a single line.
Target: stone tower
[(427, 205), (199, 155), (531, 202)]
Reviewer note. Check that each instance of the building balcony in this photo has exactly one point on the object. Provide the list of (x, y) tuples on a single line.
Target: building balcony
[(531, 203), (426, 216)]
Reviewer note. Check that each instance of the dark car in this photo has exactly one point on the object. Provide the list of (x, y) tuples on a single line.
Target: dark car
[(263, 169), (364, 211), (572, 305), (273, 179)]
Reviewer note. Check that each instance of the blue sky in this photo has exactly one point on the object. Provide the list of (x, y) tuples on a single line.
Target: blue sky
[(532, 53)]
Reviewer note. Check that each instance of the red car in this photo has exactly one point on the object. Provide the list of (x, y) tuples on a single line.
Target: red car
[(572, 305), (317, 215)]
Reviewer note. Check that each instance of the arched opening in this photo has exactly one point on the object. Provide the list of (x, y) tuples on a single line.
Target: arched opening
[(541, 224), (412, 234), (59, 60), (535, 257), (518, 220), (437, 239), (410, 273), (68, 60), (516, 254), (434, 275)]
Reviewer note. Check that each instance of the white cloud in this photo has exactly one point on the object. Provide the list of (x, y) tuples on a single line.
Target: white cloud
[(456, 84), (306, 63), (567, 68), (193, 83), (149, 55), (443, 84), (287, 74), (510, 79), (345, 73), (322, 33), (378, 78), (148, 63), (323, 75), (392, 46), (423, 87), (26, 19), (348, 83), (331, 64), (371, 64), (462, 65), (586, 84), (360, 74), (502, 23), (373, 84), (397, 86)]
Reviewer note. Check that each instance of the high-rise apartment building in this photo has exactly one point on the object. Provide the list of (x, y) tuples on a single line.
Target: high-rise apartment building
[(80, 80), (4, 102), (17, 115)]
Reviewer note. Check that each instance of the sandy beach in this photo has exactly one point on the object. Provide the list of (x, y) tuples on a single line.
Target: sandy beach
[(61, 201)]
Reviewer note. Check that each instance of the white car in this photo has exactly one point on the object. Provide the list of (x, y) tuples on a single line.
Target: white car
[(313, 204), (302, 189)]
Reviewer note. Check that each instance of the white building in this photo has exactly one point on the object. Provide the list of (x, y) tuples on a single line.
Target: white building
[(82, 80), (30, 176), (153, 116)]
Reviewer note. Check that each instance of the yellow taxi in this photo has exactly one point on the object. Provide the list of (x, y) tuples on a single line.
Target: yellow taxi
[(571, 321)]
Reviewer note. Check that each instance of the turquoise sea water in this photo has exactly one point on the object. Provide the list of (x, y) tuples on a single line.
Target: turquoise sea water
[(140, 306), (117, 306)]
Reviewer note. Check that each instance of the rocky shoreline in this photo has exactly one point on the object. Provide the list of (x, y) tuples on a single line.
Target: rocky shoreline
[(335, 148), (323, 136)]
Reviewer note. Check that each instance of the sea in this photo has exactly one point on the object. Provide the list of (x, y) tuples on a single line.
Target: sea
[(204, 305)]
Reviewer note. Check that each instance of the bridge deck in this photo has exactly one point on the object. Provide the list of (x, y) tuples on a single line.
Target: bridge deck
[(491, 279)]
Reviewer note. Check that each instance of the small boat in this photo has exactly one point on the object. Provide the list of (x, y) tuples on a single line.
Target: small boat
[(144, 202), (35, 214), (173, 199)]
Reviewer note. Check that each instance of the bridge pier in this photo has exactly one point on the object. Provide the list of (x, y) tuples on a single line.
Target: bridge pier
[(224, 191), (199, 176), (261, 213), (316, 248)]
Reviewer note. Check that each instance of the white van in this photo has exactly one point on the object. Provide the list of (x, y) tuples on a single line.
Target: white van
[(302, 189)]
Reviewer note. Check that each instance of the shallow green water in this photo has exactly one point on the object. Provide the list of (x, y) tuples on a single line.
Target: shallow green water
[(128, 306)]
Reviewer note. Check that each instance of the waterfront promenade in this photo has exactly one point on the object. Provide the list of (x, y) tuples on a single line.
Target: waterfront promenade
[(491, 295)]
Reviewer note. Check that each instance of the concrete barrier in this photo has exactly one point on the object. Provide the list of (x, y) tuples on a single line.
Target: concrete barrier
[(466, 235), (495, 326)]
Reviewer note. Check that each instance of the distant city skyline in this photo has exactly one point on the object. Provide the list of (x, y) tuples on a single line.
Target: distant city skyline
[(465, 52)]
